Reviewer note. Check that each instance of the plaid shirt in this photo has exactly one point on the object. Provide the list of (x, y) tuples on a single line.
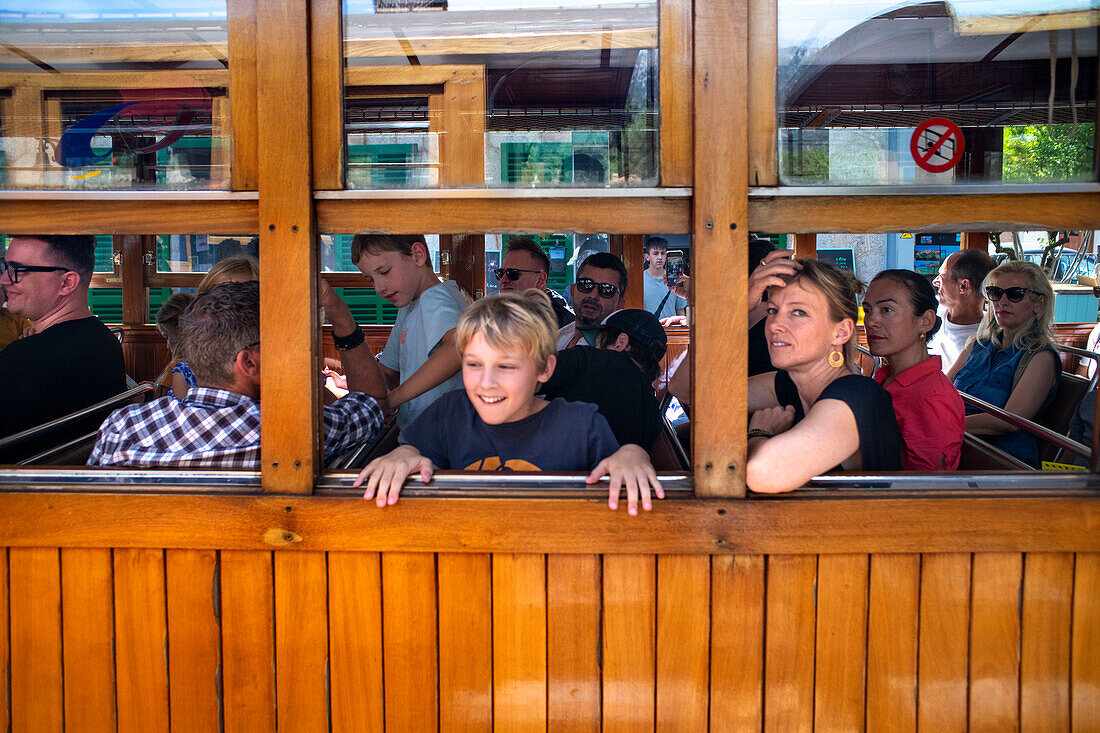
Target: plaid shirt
[(215, 428)]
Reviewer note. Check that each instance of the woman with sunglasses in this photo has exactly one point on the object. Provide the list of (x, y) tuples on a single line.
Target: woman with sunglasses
[(817, 413), (1010, 363)]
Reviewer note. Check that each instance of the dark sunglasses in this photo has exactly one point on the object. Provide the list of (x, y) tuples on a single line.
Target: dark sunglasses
[(512, 273), (607, 290), (1014, 295), (14, 269)]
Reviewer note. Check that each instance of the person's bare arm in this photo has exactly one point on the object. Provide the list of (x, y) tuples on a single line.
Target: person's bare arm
[(361, 369), (825, 438), (963, 356), (1026, 399), (443, 364)]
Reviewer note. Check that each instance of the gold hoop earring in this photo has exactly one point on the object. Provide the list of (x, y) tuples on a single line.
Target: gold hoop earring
[(836, 359)]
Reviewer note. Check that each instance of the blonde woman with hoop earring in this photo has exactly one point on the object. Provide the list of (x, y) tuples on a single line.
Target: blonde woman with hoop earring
[(816, 413)]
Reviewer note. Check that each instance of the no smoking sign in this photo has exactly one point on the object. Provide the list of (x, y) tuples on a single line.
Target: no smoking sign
[(937, 145)]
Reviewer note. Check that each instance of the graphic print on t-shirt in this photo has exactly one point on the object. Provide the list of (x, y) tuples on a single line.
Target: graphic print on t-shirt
[(492, 463)]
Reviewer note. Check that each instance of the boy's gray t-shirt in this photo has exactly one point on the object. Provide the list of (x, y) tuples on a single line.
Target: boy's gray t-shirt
[(654, 292), (416, 334)]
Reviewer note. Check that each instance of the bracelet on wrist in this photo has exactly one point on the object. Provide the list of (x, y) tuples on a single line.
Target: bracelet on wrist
[(353, 339), (758, 433)]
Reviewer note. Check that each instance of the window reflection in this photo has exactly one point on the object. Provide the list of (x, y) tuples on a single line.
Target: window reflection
[(856, 82), (527, 94)]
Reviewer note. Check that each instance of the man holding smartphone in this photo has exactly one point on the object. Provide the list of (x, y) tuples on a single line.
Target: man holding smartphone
[(659, 300)]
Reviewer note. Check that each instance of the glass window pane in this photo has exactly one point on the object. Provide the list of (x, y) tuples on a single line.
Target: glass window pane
[(970, 91), (115, 94), (199, 252), (501, 94)]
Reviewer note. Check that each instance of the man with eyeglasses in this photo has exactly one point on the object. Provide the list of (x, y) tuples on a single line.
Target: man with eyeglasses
[(217, 424), (71, 360), (959, 290), (597, 293), (525, 265)]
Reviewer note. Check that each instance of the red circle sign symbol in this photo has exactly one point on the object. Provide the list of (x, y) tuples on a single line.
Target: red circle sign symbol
[(937, 145)]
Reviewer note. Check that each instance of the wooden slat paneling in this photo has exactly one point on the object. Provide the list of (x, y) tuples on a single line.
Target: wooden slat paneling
[(519, 642), (1045, 651), (194, 639), (301, 641), (629, 620), (291, 446), (5, 647), (944, 638), (88, 632), (1086, 643), (841, 639), (720, 249), (355, 640), (248, 641), (893, 623), (683, 641), (676, 92), (34, 592), (790, 643), (409, 642), (465, 642), (776, 526), (141, 631), (244, 174), (573, 584), (995, 641), (737, 642)]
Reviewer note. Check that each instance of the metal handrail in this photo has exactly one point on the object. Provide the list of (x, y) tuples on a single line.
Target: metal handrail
[(118, 399), (1083, 354), (1024, 424)]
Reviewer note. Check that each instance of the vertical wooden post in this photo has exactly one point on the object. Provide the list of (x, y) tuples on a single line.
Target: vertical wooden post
[(720, 227), (326, 48), (462, 147), (676, 92), (467, 261), (805, 246), (633, 256), (243, 174), (764, 52), (289, 331), (133, 278), (975, 240)]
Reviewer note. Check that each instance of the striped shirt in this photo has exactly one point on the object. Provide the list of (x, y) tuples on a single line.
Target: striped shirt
[(216, 428)]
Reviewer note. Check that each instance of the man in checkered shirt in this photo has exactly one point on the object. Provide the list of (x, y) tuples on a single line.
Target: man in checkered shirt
[(217, 425)]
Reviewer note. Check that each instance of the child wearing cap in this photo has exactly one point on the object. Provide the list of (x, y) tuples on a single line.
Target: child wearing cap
[(498, 424), (617, 376)]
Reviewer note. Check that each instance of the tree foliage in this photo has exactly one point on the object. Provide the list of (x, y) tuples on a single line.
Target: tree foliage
[(1035, 153)]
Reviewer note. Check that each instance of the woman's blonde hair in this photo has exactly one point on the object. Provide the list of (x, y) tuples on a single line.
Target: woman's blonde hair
[(235, 266), (1038, 334), (508, 320), (840, 289)]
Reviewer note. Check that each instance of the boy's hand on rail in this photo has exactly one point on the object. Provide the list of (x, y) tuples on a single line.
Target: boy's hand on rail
[(387, 474), (630, 467), (769, 274)]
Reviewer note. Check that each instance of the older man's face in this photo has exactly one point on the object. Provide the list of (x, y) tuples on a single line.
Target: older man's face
[(591, 307), (37, 293), (947, 286)]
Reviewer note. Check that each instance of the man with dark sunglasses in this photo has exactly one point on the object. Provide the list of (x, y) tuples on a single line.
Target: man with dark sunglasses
[(597, 293), (71, 360), (525, 265), (959, 290)]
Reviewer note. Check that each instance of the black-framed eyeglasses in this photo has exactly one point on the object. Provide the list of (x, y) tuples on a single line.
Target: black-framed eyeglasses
[(607, 291), (14, 269), (512, 273), (1014, 295)]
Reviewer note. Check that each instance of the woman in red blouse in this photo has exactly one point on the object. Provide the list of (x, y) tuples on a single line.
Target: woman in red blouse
[(900, 317)]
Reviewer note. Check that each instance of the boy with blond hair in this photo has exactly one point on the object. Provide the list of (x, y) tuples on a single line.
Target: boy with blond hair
[(498, 424), (419, 362)]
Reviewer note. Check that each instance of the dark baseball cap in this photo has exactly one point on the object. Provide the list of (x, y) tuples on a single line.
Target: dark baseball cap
[(641, 325)]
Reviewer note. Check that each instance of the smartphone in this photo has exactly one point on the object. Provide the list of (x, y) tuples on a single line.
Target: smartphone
[(674, 266)]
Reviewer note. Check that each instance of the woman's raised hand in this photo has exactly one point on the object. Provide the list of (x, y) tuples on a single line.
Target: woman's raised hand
[(769, 274)]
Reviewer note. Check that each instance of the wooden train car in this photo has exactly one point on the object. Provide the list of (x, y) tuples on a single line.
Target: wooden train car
[(279, 599)]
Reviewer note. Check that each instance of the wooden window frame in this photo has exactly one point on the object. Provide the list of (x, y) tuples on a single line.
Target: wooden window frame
[(718, 183)]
